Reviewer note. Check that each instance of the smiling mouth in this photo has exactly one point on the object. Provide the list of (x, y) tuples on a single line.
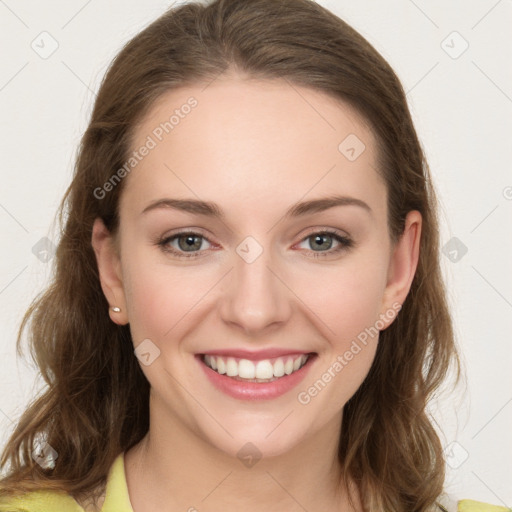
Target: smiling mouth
[(265, 370)]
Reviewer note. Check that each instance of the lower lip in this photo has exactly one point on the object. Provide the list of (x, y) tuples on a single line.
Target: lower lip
[(254, 390)]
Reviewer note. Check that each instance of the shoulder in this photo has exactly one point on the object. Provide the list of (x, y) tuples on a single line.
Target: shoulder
[(447, 503), (479, 506), (450, 505), (40, 501), (114, 498)]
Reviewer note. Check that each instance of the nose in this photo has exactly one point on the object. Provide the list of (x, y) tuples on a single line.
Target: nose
[(256, 297)]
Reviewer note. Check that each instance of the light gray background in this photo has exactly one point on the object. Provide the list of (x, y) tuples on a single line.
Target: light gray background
[(462, 106)]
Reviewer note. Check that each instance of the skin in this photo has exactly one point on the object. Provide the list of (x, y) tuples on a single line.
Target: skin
[(255, 148)]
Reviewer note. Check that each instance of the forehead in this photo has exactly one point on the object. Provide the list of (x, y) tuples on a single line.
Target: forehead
[(244, 140)]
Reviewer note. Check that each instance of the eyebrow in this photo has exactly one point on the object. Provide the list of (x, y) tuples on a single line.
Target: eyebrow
[(211, 209)]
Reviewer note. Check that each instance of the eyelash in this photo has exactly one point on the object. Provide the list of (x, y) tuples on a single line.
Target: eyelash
[(343, 241)]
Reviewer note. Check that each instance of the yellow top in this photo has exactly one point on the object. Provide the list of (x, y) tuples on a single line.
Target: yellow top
[(478, 506), (116, 496), (118, 500)]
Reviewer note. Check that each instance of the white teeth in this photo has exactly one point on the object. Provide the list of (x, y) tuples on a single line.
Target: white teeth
[(247, 369), (231, 367), (264, 370), (221, 366), (279, 368)]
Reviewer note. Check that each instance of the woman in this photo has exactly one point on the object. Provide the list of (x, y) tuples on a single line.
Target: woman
[(247, 310)]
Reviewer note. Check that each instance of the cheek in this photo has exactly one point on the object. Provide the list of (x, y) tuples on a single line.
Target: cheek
[(160, 297), (347, 303), (347, 297)]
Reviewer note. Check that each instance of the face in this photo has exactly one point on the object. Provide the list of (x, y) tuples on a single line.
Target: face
[(228, 246)]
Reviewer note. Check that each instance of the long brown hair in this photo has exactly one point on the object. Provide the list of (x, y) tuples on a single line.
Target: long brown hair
[(96, 403)]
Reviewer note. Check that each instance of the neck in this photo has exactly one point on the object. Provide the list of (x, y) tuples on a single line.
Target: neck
[(174, 468)]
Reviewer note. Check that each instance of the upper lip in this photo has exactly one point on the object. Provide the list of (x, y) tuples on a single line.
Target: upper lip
[(255, 355)]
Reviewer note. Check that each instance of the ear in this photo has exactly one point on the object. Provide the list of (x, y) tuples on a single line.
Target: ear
[(402, 267), (109, 268)]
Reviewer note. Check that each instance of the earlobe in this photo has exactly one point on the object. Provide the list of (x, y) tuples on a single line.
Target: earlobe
[(403, 263), (109, 270)]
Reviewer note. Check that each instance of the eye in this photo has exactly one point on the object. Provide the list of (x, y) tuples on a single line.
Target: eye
[(189, 244), (182, 243), (324, 241)]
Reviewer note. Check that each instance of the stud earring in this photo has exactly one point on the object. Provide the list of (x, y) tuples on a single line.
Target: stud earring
[(115, 309)]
